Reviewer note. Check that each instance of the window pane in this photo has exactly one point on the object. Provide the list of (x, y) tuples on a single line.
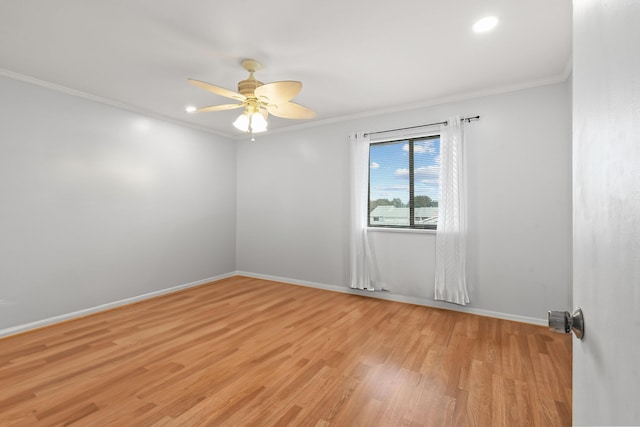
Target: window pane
[(404, 175), (426, 166), (389, 184)]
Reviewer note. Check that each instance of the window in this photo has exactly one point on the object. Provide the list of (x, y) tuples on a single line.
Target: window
[(404, 186)]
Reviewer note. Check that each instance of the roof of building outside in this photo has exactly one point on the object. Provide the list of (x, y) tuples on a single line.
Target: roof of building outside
[(393, 212)]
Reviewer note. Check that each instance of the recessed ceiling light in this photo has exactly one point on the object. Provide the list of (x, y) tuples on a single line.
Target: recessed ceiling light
[(190, 109), (485, 24)]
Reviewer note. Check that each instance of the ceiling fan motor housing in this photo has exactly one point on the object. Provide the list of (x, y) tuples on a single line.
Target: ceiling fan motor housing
[(247, 87)]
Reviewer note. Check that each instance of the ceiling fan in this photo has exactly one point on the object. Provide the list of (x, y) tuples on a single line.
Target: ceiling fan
[(258, 100)]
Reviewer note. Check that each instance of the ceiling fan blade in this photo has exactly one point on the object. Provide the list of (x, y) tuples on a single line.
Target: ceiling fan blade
[(291, 110), (273, 93), (218, 90), (218, 108)]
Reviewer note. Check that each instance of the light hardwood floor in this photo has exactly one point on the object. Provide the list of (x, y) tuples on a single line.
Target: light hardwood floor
[(250, 352)]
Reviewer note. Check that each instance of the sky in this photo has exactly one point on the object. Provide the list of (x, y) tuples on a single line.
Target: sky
[(389, 170)]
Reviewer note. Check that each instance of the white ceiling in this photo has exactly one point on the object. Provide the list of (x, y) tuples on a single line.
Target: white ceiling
[(354, 57)]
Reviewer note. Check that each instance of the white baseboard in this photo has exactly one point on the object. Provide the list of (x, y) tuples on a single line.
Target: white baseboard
[(343, 289), (399, 298), (80, 313)]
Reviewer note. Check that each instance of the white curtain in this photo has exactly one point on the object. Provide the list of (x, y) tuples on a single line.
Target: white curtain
[(360, 251), (451, 239)]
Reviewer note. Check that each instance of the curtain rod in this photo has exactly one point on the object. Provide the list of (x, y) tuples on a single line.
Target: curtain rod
[(464, 119)]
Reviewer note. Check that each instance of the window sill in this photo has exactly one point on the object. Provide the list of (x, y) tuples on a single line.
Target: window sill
[(402, 230)]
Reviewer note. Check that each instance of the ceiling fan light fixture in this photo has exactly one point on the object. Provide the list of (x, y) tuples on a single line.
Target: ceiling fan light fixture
[(251, 122), (242, 122), (258, 123)]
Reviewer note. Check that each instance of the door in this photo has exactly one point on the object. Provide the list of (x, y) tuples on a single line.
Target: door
[(606, 211)]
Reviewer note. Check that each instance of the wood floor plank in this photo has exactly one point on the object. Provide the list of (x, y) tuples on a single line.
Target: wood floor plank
[(251, 352)]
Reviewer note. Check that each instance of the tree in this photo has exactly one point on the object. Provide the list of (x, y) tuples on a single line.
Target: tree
[(397, 203), (423, 202)]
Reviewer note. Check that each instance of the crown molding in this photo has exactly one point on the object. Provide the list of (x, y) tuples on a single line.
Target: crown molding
[(106, 101), (462, 96), (559, 78)]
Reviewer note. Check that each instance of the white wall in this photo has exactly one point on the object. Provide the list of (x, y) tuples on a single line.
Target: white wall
[(100, 204), (293, 205)]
